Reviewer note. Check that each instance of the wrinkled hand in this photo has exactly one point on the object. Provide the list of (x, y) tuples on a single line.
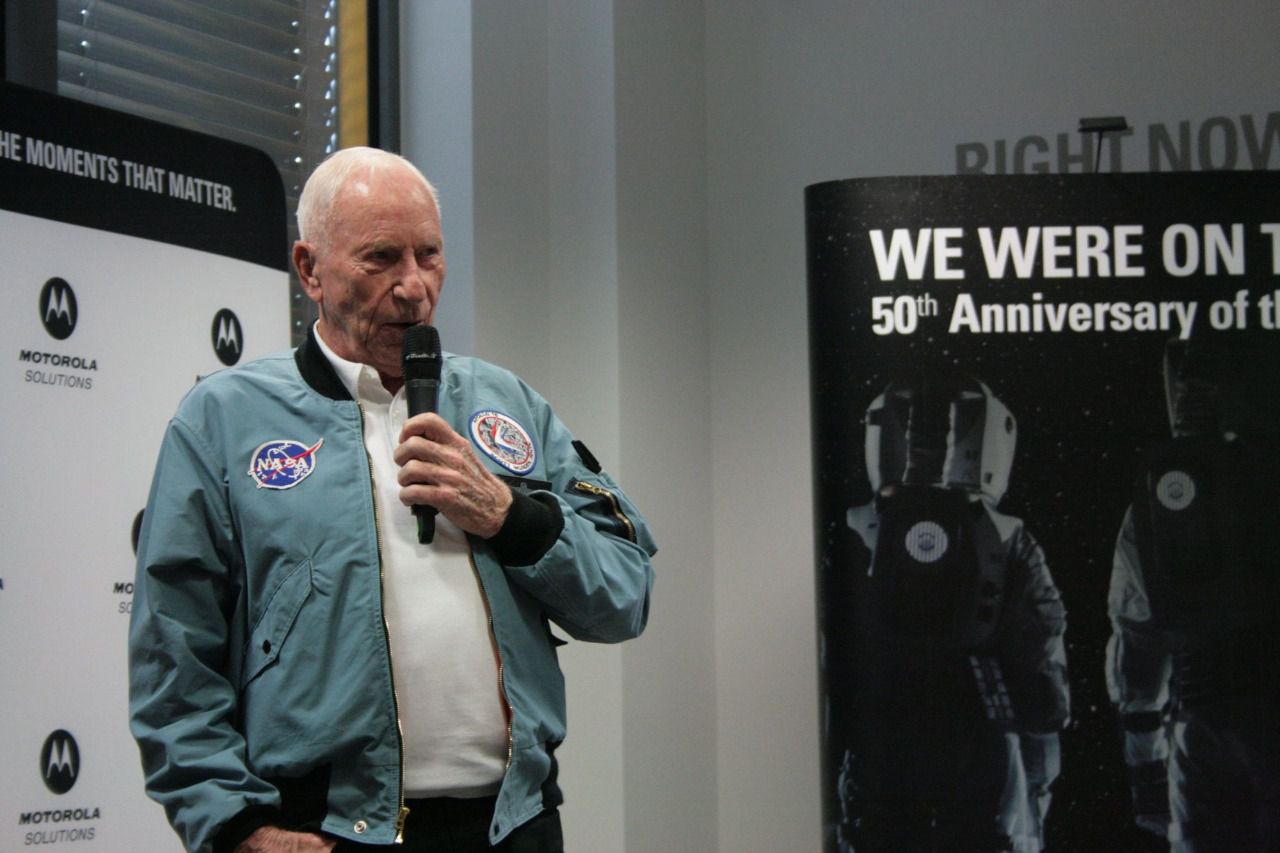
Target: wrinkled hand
[(271, 839), (439, 468)]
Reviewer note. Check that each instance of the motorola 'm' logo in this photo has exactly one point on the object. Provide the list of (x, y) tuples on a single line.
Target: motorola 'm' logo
[(60, 761), (227, 337), (58, 308)]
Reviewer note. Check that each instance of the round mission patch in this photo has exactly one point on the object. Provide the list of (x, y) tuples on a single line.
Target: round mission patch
[(503, 440)]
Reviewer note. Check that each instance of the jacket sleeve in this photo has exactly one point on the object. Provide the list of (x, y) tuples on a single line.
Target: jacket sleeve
[(182, 701), (591, 569), (1034, 647), (1138, 662)]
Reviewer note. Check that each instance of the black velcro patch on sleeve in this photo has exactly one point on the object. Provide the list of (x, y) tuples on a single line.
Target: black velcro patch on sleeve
[(585, 455)]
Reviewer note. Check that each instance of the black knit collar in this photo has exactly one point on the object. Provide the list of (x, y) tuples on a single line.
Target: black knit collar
[(316, 369)]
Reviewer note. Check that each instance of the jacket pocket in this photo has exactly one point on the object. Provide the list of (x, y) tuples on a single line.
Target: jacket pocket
[(606, 509), (267, 636)]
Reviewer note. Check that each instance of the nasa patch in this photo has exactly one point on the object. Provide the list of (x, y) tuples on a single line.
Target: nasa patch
[(503, 440), (283, 463)]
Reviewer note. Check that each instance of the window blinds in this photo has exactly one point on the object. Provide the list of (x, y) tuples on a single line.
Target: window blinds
[(260, 72)]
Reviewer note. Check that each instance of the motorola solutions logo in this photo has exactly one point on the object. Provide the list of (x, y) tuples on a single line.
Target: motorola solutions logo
[(228, 337), (60, 314), (58, 308), (60, 761), (59, 768)]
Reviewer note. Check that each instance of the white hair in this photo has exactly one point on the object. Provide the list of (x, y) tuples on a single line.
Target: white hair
[(315, 205)]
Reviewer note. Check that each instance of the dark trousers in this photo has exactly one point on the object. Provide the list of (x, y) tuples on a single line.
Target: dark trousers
[(447, 825)]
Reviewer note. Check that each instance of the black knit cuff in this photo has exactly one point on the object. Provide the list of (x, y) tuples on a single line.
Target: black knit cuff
[(533, 525)]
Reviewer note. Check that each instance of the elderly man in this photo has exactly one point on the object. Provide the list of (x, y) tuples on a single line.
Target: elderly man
[(305, 673)]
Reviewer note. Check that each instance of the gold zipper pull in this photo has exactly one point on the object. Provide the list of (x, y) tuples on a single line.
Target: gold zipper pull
[(403, 816), (614, 507)]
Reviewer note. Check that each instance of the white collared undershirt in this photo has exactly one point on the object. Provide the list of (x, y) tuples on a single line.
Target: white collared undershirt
[(443, 657)]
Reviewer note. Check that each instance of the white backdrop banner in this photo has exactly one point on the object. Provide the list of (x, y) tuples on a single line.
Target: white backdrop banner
[(135, 259)]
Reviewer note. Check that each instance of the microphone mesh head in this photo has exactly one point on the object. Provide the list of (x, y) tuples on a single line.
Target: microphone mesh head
[(420, 353)]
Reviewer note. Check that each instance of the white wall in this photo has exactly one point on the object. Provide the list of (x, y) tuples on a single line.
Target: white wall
[(638, 176), (664, 335), (436, 131)]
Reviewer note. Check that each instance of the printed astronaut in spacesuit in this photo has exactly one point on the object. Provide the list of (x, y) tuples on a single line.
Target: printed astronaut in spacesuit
[(944, 650), (1192, 662)]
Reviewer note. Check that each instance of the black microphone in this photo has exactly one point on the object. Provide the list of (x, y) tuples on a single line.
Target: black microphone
[(421, 362)]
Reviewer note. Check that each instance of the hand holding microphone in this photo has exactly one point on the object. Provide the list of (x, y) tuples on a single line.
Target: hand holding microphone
[(433, 454), (421, 361)]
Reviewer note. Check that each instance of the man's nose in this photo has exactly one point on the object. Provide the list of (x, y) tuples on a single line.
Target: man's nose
[(411, 285)]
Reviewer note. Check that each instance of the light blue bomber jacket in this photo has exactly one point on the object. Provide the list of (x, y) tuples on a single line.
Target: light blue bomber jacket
[(261, 676)]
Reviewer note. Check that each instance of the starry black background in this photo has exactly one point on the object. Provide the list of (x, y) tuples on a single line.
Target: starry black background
[(1086, 403)]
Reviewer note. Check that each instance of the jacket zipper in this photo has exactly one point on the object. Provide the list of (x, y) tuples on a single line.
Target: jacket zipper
[(592, 489), (497, 651), (403, 813)]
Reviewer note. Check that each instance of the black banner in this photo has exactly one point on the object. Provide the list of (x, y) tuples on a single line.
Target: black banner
[(73, 162), (1045, 423)]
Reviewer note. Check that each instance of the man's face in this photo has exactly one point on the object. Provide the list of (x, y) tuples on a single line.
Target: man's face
[(378, 268)]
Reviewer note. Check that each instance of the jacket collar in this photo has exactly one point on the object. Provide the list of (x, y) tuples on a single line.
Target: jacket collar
[(316, 369)]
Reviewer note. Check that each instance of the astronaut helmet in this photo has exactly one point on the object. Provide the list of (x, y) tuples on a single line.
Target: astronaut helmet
[(942, 429)]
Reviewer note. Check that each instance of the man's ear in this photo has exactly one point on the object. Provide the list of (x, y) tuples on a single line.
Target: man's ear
[(304, 261)]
